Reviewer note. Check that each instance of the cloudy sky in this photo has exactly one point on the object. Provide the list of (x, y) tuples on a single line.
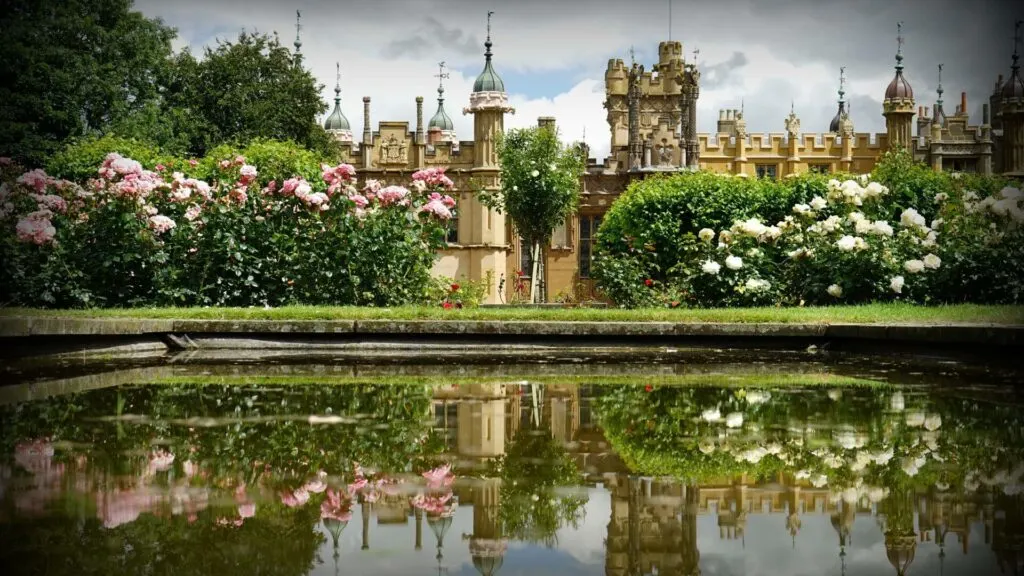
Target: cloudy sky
[(552, 53)]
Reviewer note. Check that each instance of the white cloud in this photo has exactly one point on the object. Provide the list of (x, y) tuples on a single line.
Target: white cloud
[(541, 37)]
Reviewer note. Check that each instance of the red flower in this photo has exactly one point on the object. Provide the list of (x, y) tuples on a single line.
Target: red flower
[(455, 287), (447, 305), (675, 303), (648, 282), (648, 388)]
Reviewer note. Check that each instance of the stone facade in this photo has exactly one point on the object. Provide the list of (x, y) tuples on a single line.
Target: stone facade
[(652, 118)]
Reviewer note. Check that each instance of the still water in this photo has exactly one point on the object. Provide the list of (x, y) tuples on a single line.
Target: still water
[(743, 469)]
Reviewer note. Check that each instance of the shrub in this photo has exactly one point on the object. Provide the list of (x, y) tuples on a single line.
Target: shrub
[(79, 160), (136, 237), (707, 240)]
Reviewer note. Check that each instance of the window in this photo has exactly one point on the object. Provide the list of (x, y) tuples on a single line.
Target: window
[(767, 171), (960, 165), (453, 227), (560, 236), (588, 228), (819, 168)]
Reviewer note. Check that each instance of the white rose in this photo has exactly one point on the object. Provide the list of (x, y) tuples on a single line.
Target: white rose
[(711, 267), (734, 263), (801, 208), (535, 173), (896, 402), (711, 415), (932, 261), (818, 203), (846, 243), (883, 228), (896, 284), (706, 234), (941, 197), (915, 419), (913, 266), (835, 290), (734, 420), (932, 422)]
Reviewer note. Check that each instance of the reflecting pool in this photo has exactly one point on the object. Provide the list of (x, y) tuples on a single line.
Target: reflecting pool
[(743, 468)]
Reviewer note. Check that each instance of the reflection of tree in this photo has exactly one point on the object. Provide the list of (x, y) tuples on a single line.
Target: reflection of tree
[(277, 542), (533, 468)]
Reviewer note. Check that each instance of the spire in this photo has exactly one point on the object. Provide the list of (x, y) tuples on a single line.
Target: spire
[(488, 80), (337, 122), (441, 119), (939, 89), (842, 85), (899, 46), (337, 83), (836, 123), (298, 29), (1014, 87), (899, 88)]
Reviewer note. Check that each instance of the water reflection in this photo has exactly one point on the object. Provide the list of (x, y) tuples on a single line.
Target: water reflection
[(512, 478)]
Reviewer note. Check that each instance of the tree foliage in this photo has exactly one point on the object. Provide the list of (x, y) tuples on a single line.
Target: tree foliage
[(74, 67)]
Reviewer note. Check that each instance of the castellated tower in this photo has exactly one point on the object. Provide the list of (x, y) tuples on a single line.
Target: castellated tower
[(486, 239), (898, 106)]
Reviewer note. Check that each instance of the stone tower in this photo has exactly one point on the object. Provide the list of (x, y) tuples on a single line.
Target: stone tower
[(1012, 111), (898, 106), (485, 233)]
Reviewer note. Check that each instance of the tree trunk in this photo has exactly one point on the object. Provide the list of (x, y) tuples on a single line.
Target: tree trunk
[(535, 273)]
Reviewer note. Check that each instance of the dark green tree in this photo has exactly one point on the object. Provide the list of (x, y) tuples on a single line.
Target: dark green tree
[(69, 68), (243, 90)]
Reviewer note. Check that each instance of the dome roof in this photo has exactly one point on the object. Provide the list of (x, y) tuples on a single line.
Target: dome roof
[(834, 125), (488, 80), (441, 119), (337, 120), (1014, 87), (899, 87)]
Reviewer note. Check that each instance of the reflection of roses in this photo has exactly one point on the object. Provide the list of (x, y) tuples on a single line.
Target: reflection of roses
[(336, 506), (435, 504), (296, 498)]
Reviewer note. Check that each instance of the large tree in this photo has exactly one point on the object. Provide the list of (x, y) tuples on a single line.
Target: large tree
[(242, 90), (74, 67), (540, 187)]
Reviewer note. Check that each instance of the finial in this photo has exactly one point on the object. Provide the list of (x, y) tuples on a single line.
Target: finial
[(1016, 42), (939, 89), (696, 52), (632, 56), (488, 42), (741, 107), (792, 107), (337, 83), (899, 45), (441, 75), (298, 28), (669, 20), (842, 83)]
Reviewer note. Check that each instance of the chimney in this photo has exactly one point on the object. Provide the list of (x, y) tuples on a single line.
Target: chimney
[(721, 114), (367, 132), (419, 119), (935, 110), (963, 103), (546, 122), (984, 114)]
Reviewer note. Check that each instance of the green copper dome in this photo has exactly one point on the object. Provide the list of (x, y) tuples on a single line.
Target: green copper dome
[(337, 120), (488, 80), (441, 119)]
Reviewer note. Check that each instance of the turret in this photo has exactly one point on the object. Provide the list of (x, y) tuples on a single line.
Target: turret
[(441, 126), (898, 106), (1011, 109), (836, 125), (337, 124)]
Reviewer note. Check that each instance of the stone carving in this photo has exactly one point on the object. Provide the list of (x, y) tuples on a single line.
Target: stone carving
[(393, 151), (957, 149), (665, 153), (792, 124)]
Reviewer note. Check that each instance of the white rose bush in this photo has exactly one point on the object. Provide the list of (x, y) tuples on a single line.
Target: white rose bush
[(902, 233)]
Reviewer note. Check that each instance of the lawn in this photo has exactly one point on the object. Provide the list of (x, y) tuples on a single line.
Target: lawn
[(889, 313)]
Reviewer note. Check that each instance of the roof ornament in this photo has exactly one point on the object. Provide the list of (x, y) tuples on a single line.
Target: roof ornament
[(441, 76), (899, 45), (298, 28), (337, 81)]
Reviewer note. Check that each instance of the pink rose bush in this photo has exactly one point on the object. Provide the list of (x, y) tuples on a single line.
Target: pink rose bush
[(238, 236)]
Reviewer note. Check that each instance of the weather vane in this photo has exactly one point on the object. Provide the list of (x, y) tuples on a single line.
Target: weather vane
[(1016, 35), (298, 29), (489, 14), (696, 52), (441, 74), (632, 56), (899, 37)]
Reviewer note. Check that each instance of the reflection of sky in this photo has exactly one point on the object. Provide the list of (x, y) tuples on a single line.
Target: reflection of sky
[(768, 549)]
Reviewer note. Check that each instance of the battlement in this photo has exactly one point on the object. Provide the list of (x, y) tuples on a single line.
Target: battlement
[(659, 80)]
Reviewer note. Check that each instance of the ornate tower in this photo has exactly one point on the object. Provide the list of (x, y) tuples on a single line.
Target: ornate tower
[(793, 140), (337, 124), (636, 73), (898, 106), (482, 230), (1012, 111), (689, 82)]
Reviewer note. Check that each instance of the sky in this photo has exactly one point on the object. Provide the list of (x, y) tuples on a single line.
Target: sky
[(766, 55)]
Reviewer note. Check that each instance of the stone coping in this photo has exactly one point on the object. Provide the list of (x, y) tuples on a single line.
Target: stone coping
[(953, 333)]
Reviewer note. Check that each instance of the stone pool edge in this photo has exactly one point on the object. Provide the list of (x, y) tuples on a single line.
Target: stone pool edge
[(1000, 335)]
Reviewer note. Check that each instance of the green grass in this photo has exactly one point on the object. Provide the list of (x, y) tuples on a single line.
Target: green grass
[(862, 314), (752, 380)]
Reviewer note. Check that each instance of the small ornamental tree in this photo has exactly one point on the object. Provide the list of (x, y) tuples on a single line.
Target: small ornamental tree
[(540, 187)]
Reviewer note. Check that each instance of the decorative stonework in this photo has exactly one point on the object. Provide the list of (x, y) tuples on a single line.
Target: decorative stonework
[(488, 101), (393, 151)]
